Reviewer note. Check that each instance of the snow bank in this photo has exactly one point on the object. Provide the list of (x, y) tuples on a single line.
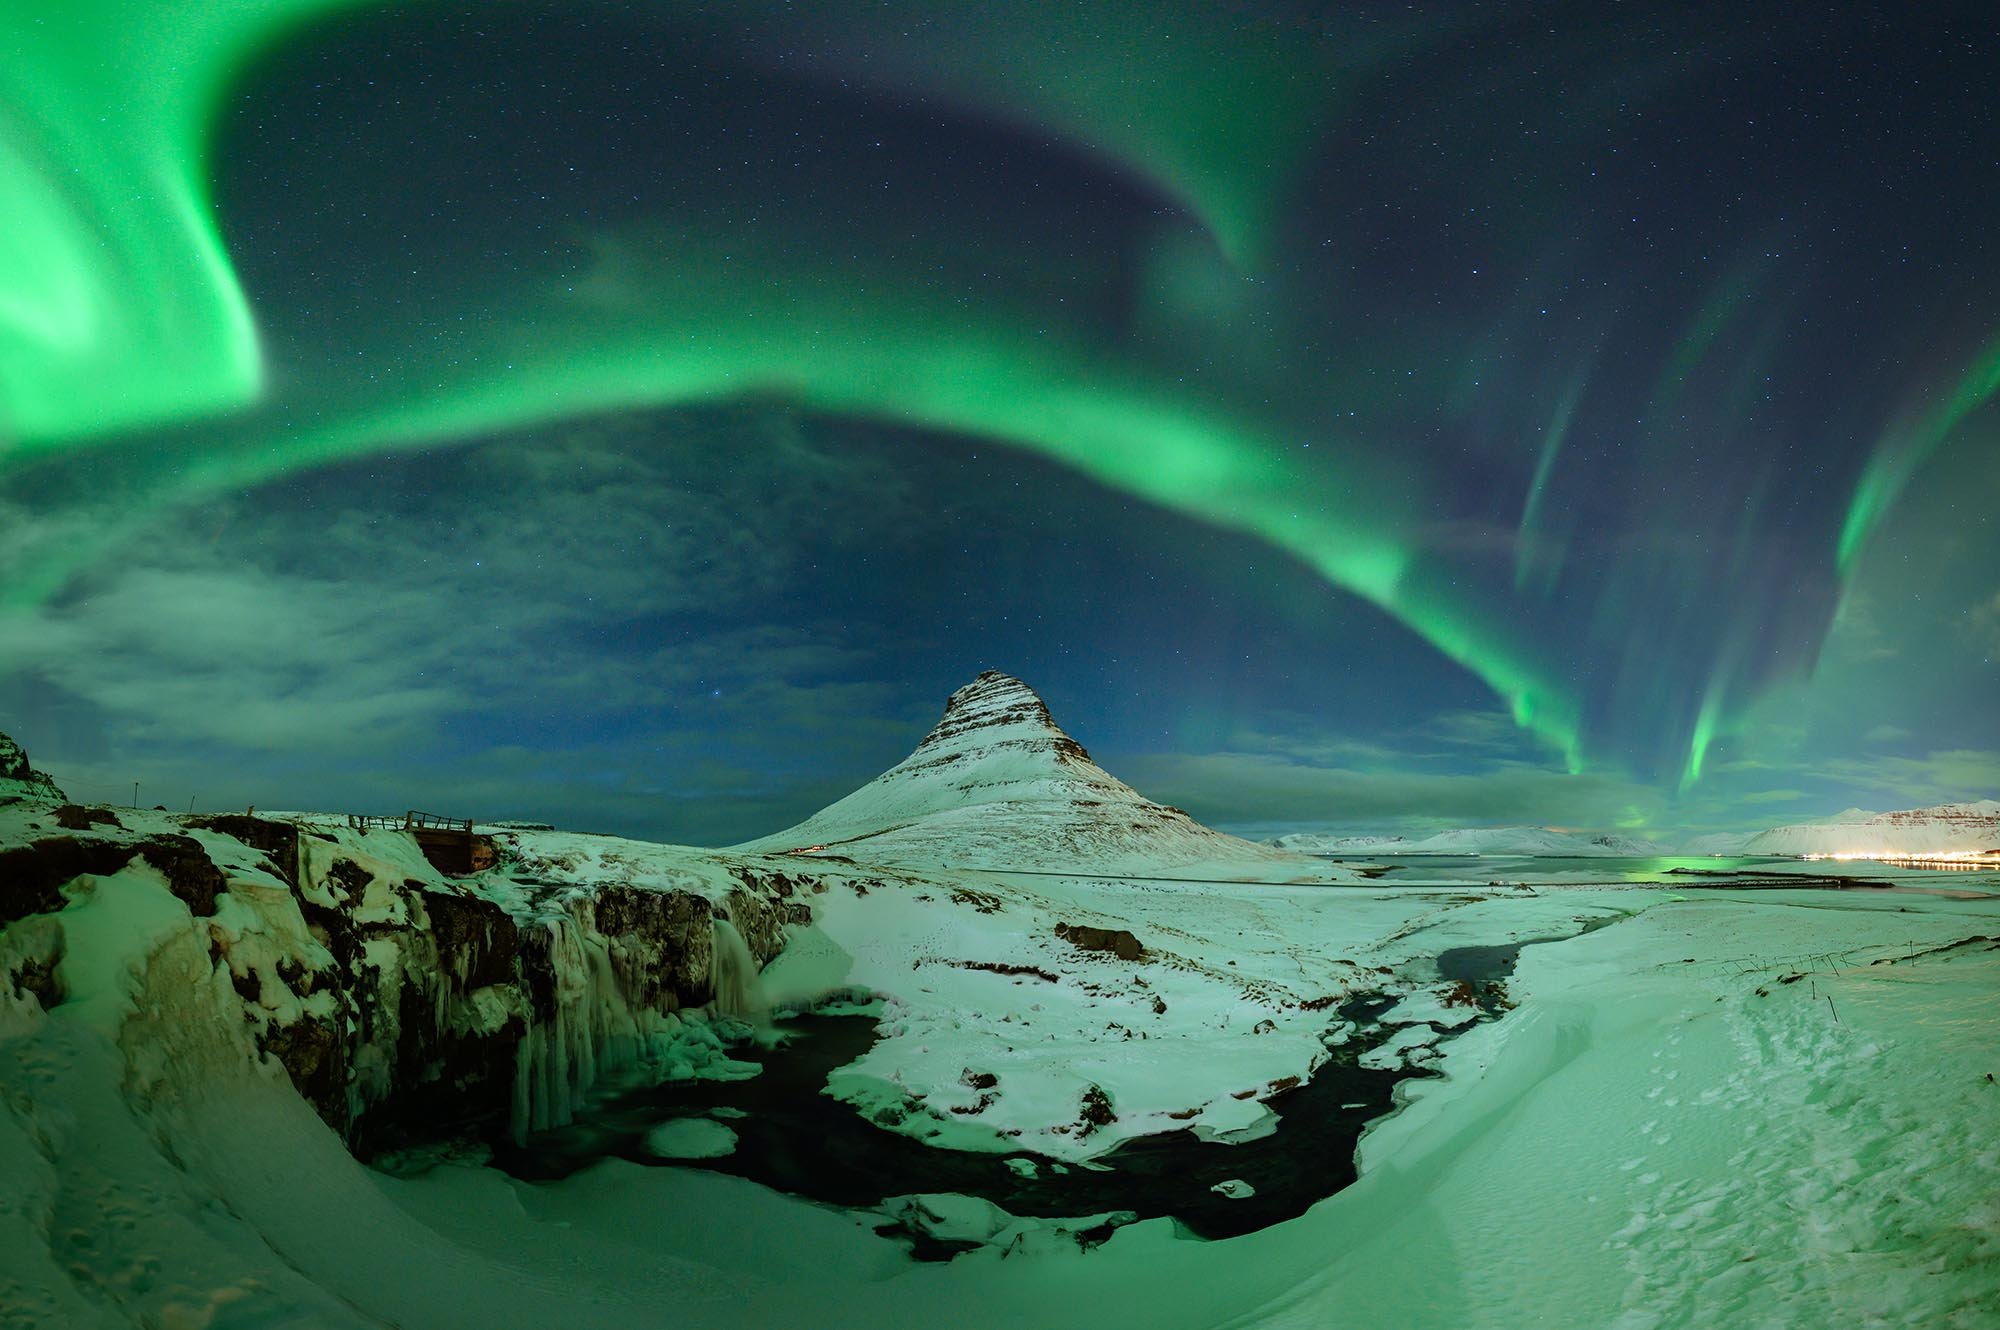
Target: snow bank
[(1716, 1111)]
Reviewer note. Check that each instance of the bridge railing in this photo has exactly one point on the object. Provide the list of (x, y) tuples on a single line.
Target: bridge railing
[(410, 821)]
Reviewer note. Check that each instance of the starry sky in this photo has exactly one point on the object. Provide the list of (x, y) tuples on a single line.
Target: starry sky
[(639, 416)]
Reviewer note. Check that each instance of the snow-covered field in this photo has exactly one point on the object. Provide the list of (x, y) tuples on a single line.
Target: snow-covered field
[(1668, 1130), (1708, 1104)]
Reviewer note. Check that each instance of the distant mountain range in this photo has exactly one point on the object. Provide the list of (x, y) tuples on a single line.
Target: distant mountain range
[(1941, 829), (1960, 828), (997, 784), (1476, 840)]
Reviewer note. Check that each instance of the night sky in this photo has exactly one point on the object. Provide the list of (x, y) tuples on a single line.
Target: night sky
[(641, 416)]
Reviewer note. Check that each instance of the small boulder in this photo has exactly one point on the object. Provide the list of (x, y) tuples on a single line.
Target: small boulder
[(1119, 941), (1095, 1111)]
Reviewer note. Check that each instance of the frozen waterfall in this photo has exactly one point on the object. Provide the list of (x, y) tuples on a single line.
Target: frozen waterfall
[(738, 989)]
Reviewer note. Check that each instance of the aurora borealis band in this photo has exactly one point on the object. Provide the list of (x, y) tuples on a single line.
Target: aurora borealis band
[(1594, 349)]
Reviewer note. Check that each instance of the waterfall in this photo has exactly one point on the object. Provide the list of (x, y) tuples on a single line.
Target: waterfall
[(733, 971)]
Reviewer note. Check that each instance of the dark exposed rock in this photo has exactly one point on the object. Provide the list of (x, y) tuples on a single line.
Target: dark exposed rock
[(997, 701), (1095, 1111), (352, 879), (1004, 967), (1119, 941), (312, 1055), (985, 902), (34, 973), (475, 937), (446, 1078), (32, 875), (978, 1080), (190, 873), (278, 841), (659, 943), (77, 817), (14, 768), (760, 921)]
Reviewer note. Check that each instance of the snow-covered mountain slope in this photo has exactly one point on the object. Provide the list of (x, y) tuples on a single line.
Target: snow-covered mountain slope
[(1312, 842), (1477, 840), (1940, 829), (18, 780), (997, 784)]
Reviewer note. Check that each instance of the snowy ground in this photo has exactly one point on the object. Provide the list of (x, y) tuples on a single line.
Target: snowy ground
[(1233, 993), (1741, 1108), (1648, 1140)]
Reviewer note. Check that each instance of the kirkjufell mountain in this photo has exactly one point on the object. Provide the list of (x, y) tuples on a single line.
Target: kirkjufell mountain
[(998, 784)]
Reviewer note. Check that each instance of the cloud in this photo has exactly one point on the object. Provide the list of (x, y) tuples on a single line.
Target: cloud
[(1249, 790), (583, 622), (1984, 618), (1772, 797), (1941, 776)]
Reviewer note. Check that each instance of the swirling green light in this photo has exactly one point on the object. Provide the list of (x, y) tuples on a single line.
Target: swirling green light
[(1905, 446), (118, 305), (120, 309)]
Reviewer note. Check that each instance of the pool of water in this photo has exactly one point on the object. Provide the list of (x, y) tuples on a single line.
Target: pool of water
[(792, 1137)]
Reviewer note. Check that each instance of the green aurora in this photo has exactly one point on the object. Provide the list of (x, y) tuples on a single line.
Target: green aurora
[(127, 335)]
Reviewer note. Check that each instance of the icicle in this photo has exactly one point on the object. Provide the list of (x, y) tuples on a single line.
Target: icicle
[(598, 1029)]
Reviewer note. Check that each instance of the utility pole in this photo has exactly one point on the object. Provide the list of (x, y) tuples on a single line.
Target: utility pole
[(135, 794)]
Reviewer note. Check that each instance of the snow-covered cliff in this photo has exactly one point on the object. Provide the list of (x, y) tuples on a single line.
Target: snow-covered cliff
[(1961, 828), (997, 784), (390, 993)]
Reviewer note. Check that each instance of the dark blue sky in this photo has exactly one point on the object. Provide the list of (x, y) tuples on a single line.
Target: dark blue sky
[(662, 413)]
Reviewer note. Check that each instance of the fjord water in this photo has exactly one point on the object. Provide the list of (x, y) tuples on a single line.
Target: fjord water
[(1685, 870)]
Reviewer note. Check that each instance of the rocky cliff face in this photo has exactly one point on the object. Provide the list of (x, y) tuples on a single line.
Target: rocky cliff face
[(997, 784), (18, 780), (393, 996)]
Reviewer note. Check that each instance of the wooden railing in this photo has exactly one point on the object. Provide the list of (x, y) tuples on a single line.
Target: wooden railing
[(410, 821)]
